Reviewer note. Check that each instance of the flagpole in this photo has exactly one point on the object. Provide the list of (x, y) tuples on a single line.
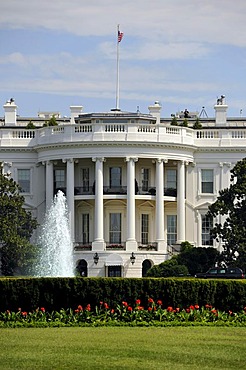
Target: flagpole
[(118, 71)]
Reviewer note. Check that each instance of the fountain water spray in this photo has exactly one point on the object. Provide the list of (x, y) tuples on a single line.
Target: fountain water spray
[(56, 247)]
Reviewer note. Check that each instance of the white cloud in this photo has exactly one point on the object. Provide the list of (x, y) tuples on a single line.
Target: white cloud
[(173, 21)]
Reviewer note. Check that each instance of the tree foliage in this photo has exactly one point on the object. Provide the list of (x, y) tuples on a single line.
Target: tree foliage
[(189, 261), (17, 226), (168, 268), (231, 204)]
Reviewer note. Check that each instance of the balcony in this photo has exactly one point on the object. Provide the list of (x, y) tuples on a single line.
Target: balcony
[(127, 132), (118, 190)]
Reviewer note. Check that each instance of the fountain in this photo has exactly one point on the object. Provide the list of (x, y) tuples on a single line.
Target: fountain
[(56, 247)]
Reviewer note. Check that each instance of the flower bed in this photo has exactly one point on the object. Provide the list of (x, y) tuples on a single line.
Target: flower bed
[(123, 314)]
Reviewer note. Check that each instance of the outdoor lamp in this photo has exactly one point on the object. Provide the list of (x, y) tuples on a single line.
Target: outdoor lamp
[(96, 258), (132, 258)]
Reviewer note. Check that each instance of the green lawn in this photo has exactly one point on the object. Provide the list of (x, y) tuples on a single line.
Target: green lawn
[(118, 348)]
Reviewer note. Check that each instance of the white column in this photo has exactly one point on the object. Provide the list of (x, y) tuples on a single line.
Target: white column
[(49, 183), (131, 244), (160, 205), (181, 203), (70, 194), (98, 243)]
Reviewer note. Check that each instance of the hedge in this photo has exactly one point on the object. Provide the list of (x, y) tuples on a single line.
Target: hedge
[(57, 293)]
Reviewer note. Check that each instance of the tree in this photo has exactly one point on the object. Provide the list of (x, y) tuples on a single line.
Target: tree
[(174, 121), (197, 124), (189, 261), (197, 259), (231, 204), (17, 226), (168, 268)]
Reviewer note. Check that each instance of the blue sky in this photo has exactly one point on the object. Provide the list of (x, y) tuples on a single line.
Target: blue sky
[(183, 53)]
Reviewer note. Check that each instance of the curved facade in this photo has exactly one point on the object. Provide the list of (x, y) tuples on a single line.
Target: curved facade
[(136, 185)]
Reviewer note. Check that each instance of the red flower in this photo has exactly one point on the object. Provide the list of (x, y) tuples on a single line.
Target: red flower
[(24, 313), (106, 306), (169, 309), (187, 310), (197, 307), (230, 312), (76, 311), (150, 300), (208, 306), (149, 308), (177, 309), (112, 311), (129, 308), (88, 307), (80, 308), (214, 311), (159, 302), (140, 308), (101, 303), (138, 301), (124, 303), (192, 307), (42, 309)]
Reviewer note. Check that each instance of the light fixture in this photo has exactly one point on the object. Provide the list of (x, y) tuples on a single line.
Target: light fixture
[(132, 258), (96, 258)]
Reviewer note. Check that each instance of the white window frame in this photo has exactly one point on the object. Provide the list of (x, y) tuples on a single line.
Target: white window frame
[(30, 179)]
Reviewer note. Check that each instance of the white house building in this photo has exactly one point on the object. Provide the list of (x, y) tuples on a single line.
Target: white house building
[(136, 185)]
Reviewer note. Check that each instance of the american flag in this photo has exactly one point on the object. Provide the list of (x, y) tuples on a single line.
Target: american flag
[(120, 36)]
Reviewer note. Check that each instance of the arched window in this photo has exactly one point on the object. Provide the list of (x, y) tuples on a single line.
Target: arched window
[(82, 268), (146, 265)]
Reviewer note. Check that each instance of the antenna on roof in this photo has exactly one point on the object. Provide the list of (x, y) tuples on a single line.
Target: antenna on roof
[(203, 113)]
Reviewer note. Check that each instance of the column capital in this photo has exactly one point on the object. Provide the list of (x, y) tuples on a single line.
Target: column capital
[(128, 159), (100, 159), (160, 160), (47, 163)]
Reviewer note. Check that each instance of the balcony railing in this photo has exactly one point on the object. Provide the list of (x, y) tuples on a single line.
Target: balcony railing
[(79, 246), (117, 190), (152, 246), (114, 190), (116, 246), (127, 132), (151, 190), (84, 190)]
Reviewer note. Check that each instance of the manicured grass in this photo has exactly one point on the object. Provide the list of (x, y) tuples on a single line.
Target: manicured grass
[(118, 348)]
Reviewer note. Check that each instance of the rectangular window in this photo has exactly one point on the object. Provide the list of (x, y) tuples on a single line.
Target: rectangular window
[(145, 174), (85, 228), (85, 179), (145, 229), (171, 179), (114, 271), (207, 181), (24, 180), (171, 229), (115, 177), (115, 228), (60, 182), (207, 224)]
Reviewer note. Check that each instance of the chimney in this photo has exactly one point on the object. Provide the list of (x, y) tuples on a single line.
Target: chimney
[(220, 111), (75, 111), (10, 109), (155, 111)]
